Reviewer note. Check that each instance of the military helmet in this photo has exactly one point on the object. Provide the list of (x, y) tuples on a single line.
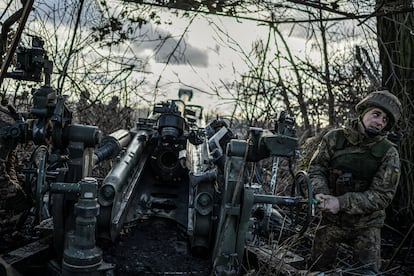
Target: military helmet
[(384, 100)]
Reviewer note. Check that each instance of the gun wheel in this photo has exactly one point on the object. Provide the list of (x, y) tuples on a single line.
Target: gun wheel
[(302, 188), (38, 162)]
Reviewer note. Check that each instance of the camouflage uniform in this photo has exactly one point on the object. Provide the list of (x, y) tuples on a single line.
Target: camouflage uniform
[(12, 196), (363, 173)]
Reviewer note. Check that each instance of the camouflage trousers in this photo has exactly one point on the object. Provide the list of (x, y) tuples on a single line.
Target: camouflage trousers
[(13, 199), (9, 183), (365, 244), (12, 196)]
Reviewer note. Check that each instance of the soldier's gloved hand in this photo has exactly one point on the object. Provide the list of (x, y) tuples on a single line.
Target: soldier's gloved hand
[(327, 203)]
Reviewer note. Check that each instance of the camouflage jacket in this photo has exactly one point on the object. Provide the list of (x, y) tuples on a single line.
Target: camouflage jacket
[(359, 207), (6, 145)]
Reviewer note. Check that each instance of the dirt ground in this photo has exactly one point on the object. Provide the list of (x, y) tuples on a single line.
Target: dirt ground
[(159, 247), (155, 247)]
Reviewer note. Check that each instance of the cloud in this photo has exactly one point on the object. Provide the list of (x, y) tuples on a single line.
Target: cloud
[(182, 55), (168, 48), (149, 41)]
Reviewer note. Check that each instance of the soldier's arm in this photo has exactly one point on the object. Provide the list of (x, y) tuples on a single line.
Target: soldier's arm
[(319, 166), (381, 191)]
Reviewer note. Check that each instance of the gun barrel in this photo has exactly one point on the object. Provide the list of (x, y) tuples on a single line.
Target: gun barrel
[(89, 135), (118, 176), (112, 145)]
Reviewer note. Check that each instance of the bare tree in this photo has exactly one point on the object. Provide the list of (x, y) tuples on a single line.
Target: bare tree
[(396, 44), (96, 54)]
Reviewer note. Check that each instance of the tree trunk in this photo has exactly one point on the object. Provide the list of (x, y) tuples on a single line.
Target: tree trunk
[(396, 45), (327, 73)]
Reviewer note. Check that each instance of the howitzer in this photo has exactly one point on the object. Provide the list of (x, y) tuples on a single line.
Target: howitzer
[(175, 176), (166, 167), (170, 165)]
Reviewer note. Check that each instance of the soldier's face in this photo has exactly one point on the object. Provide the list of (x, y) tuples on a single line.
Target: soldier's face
[(375, 119)]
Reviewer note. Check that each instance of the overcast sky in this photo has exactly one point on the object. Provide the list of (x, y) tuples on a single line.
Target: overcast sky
[(206, 59)]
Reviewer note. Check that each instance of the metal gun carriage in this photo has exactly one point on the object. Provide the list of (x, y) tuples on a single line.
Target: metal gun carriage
[(169, 165), (166, 166)]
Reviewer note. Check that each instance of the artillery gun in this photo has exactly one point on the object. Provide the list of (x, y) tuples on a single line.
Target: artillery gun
[(170, 165)]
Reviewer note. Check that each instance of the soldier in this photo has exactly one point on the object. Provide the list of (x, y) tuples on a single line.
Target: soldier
[(12, 196), (354, 174)]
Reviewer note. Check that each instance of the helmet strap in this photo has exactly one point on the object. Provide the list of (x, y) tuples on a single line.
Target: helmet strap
[(369, 131), (372, 132)]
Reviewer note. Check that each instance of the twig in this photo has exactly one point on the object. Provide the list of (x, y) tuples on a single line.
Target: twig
[(399, 247)]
